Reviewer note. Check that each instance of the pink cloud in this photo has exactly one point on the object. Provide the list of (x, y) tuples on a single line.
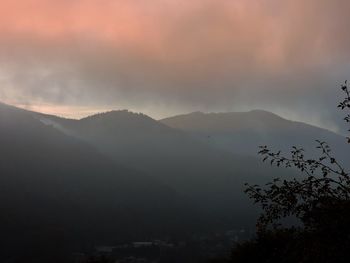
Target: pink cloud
[(187, 52)]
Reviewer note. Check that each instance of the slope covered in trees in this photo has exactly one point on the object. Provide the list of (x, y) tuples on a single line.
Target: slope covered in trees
[(58, 194), (241, 132), (319, 202), (211, 178)]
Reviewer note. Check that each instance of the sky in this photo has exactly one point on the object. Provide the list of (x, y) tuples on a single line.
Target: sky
[(74, 58)]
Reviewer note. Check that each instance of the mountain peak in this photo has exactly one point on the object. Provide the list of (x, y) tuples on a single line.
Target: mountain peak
[(216, 114), (261, 111), (197, 113), (265, 113), (226, 121), (119, 121), (117, 114)]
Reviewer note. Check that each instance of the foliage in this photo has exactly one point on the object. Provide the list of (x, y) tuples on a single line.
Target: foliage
[(320, 201), (326, 185), (291, 245)]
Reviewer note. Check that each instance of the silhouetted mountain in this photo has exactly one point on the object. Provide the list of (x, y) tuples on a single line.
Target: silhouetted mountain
[(242, 132), (212, 179), (57, 194), (136, 171)]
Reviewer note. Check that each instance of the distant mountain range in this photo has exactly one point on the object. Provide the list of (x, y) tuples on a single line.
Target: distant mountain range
[(241, 132), (59, 193), (120, 175), (211, 178)]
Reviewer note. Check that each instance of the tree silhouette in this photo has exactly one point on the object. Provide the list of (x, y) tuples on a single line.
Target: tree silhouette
[(320, 201)]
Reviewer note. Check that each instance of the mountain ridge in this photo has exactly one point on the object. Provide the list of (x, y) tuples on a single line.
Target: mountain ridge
[(54, 187), (166, 119), (244, 131), (255, 113)]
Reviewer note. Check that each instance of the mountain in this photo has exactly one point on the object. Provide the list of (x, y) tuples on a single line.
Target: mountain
[(211, 178), (58, 194), (242, 132), (121, 175)]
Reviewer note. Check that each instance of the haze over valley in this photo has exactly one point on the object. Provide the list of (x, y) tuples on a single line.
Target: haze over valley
[(125, 176), (174, 131)]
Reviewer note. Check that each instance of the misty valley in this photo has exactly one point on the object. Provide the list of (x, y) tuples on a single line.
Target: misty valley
[(174, 131), (123, 187)]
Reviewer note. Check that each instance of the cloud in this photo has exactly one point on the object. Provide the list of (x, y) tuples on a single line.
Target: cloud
[(165, 56)]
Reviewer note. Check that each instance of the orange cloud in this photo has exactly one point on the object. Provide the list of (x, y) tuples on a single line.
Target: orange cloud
[(184, 52), (172, 30)]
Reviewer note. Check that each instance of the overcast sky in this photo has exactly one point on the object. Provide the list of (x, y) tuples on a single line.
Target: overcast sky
[(164, 57)]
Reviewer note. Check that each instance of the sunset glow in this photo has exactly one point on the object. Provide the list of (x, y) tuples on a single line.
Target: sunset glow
[(213, 55), (182, 131)]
